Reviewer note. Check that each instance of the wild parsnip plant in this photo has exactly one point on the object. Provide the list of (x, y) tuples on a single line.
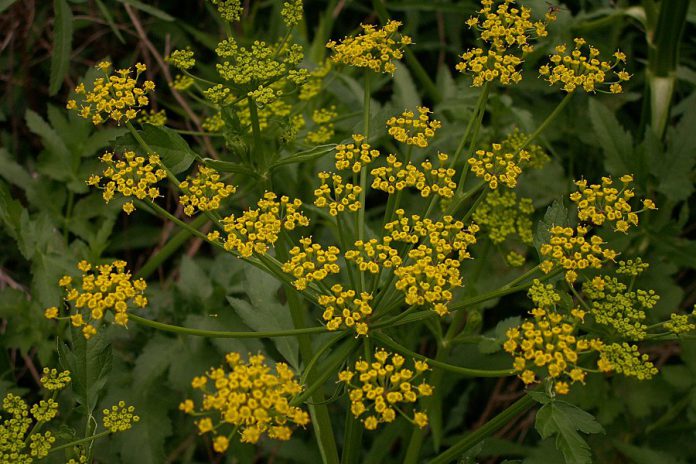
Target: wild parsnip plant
[(361, 232)]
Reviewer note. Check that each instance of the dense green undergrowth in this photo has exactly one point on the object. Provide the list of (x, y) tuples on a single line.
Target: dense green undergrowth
[(347, 232)]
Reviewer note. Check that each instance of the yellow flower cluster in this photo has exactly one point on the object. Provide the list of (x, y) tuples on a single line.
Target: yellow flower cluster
[(632, 267), (312, 87), (52, 379), (119, 418), (355, 155), (571, 250), (507, 30), (503, 214), (431, 274), (311, 263), (230, 10), (430, 180), (680, 323), (116, 96), (250, 397), (204, 191), (344, 308), (412, 130), (182, 82), (613, 304), (261, 70), (325, 130), (377, 389), (376, 48), (19, 443), (600, 203), (577, 70), (104, 288), (213, 123), (372, 256), (257, 229), (625, 359), (131, 176), (153, 118), (292, 12), (443, 238), (498, 166), (549, 342), (345, 196), (538, 158)]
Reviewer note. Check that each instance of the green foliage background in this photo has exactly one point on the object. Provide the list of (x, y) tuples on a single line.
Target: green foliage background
[(48, 217)]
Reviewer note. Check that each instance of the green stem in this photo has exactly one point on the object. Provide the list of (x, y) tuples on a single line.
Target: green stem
[(363, 172), (80, 441), (487, 429), (222, 334), (479, 109), (547, 121), (352, 441), (256, 132)]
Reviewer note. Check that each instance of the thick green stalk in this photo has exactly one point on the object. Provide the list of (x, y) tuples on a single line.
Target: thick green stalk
[(352, 443), (363, 172), (487, 429), (259, 152), (480, 106), (221, 333)]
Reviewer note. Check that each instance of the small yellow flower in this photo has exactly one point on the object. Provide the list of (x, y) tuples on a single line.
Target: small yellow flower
[(51, 313), (220, 444), (204, 191)]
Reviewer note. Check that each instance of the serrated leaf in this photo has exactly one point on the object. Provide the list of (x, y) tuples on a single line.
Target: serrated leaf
[(263, 311), (154, 360), (674, 169), (406, 94), (563, 420), (616, 142), (556, 215), (193, 281), (62, 44), (10, 212), (89, 363), (173, 150)]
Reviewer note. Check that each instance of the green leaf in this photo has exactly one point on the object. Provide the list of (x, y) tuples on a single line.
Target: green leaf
[(263, 311), (564, 420), (151, 10), (556, 215), (89, 363), (406, 94), (173, 150), (642, 455), (304, 156), (10, 212), (154, 360), (616, 142), (5, 4), (193, 281), (62, 45), (674, 170), (110, 19)]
